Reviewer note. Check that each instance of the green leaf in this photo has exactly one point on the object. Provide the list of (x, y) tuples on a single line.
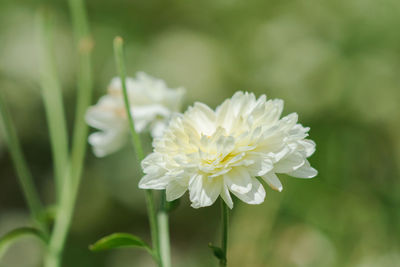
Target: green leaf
[(120, 240), (218, 252), (13, 236)]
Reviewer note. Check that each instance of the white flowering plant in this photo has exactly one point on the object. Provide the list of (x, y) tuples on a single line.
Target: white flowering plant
[(232, 151)]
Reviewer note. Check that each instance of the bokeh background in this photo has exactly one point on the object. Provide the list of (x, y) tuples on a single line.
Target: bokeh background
[(336, 63)]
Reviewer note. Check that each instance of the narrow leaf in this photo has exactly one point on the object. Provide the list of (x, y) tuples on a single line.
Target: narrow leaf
[(13, 236), (218, 252), (120, 240)]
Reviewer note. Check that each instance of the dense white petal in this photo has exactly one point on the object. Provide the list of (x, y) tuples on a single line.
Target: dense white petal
[(150, 112), (204, 118), (255, 196), (154, 182), (289, 163), (308, 145), (273, 181), (226, 196), (288, 122), (204, 191), (154, 164), (105, 116), (224, 117), (238, 180), (262, 164), (157, 129), (105, 143), (266, 166), (175, 190), (305, 171)]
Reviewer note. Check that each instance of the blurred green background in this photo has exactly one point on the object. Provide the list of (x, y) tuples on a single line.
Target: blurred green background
[(336, 63)]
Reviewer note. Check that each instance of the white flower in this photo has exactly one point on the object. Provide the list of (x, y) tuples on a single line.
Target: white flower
[(152, 104), (215, 153)]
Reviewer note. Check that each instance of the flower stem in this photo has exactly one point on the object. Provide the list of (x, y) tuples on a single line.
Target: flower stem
[(119, 58), (72, 178), (224, 237), (52, 98), (23, 173), (163, 226), (153, 226)]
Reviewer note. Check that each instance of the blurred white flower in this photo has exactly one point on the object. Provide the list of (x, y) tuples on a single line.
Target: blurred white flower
[(152, 104), (215, 153)]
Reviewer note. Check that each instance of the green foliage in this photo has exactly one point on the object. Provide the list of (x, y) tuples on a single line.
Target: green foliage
[(218, 252), (120, 240)]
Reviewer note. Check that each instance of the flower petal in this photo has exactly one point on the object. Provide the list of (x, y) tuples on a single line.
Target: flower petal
[(203, 118), (154, 164), (265, 166), (273, 181), (204, 191), (226, 196), (105, 115), (150, 181), (255, 196), (157, 128), (105, 143), (238, 180), (175, 190), (308, 145), (289, 163), (305, 171), (262, 164)]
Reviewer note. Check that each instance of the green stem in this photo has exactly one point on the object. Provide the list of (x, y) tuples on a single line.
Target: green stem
[(11, 237), (224, 237), (163, 226), (23, 172), (153, 226), (72, 181), (119, 58), (52, 97)]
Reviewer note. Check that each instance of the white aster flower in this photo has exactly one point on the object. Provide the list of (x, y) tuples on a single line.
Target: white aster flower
[(152, 104), (215, 153)]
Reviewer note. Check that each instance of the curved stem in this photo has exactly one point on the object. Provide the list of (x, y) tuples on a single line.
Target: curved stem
[(119, 58), (11, 237), (225, 228)]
